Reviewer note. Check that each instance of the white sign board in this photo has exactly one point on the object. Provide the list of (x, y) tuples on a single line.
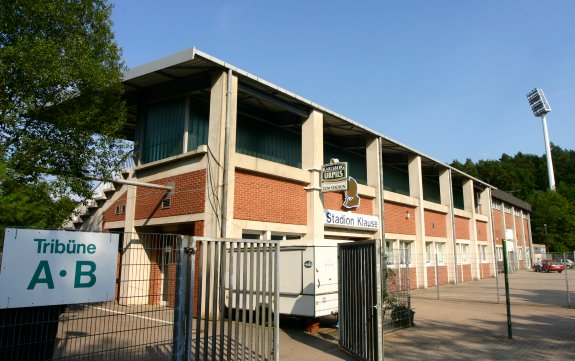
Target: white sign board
[(350, 220), (41, 267), (334, 177)]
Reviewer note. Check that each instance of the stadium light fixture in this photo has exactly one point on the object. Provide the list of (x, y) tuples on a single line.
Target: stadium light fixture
[(540, 108)]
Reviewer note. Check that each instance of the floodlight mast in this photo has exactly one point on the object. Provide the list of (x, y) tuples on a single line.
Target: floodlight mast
[(540, 108)]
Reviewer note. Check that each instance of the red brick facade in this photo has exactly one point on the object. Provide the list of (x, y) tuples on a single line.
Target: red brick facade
[(334, 201), (481, 230), (508, 222), (396, 221), (435, 224), (518, 232), (526, 231), (485, 270), (110, 214), (442, 278), (188, 197), (462, 228), (497, 226), (260, 198), (465, 272)]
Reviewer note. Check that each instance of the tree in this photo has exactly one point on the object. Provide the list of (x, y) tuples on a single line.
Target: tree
[(553, 221), (525, 175), (61, 106), (31, 205)]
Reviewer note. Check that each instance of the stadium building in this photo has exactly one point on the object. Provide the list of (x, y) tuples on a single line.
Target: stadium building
[(235, 156)]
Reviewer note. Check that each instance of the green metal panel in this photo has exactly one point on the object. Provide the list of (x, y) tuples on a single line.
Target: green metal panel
[(395, 180), (356, 163), (164, 129), (431, 190), (266, 141), (198, 124), (458, 197)]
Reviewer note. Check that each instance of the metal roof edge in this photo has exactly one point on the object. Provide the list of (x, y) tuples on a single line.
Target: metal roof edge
[(511, 199), (159, 64)]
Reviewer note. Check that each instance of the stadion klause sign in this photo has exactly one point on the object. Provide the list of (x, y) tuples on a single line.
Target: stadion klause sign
[(334, 177), (45, 267)]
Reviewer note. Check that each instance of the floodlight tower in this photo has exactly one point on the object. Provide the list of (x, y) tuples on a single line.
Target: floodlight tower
[(540, 108)]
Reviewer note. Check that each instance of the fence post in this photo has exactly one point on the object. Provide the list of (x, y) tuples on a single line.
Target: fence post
[(567, 281), (436, 273), (178, 344)]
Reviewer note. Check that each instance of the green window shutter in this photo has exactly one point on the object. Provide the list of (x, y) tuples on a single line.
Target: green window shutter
[(265, 141), (458, 198), (431, 191), (356, 163), (164, 129), (198, 124), (395, 180)]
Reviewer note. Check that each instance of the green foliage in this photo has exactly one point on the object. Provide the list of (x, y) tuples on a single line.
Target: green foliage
[(61, 106), (525, 176), (31, 205), (553, 219)]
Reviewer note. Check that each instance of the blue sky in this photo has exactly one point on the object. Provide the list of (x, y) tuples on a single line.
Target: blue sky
[(448, 78)]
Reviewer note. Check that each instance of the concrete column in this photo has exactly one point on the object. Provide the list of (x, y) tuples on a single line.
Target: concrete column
[(485, 203), (230, 172), (469, 205), (372, 155), (216, 138), (526, 262), (416, 191), (468, 198), (531, 250), (515, 240), (446, 190), (312, 160), (137, 256)]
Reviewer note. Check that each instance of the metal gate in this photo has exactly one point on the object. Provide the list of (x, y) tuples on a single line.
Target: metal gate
[(231, 308), (360, 309)]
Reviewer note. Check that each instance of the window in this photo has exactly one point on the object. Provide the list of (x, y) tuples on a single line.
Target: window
[(405, 252), (428, 252), (507, 208), (499, 251), (251, 235), (482, 250), (120, 209), (496, 205), (389, 252), (520, 254), (284, 237), (464, 249), (166, 203), (439, 252)]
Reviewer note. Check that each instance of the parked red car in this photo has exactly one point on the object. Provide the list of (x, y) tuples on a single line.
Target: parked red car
[(550, 265)]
